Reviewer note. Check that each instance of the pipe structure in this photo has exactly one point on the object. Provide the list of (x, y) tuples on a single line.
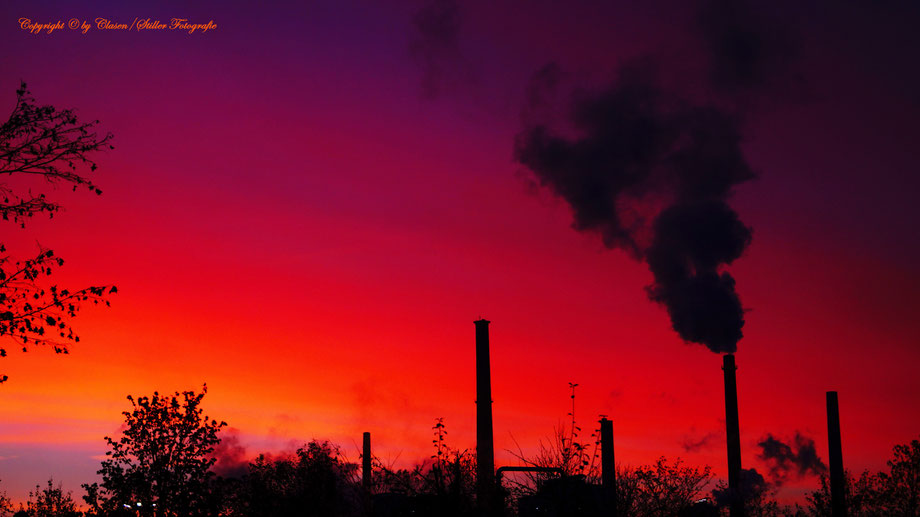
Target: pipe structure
[(366, 474), (733, 438), (608, 467), (485, 453), (835, 457)]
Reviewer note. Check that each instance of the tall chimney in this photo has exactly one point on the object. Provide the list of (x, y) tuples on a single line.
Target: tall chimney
[(366, 463), (733, 438), (835, 457), (485, 456), (608, 467)]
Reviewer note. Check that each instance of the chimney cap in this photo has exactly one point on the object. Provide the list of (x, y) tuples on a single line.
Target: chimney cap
[(481, 321)]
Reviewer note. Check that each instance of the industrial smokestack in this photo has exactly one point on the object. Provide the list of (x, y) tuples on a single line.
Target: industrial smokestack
[(835, 457), (733, 438), (608, 467), (485, 456), (366, 463)]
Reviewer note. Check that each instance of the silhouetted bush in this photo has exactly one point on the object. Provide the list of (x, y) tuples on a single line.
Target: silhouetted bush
[(315, 481), (51, 501), (563, 451), (663, 488), (6, 506), (444, 487)]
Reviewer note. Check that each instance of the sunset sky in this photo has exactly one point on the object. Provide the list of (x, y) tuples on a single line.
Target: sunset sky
[(306, 208)]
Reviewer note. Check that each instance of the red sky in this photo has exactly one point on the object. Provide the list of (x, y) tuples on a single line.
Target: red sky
[(289, 220)]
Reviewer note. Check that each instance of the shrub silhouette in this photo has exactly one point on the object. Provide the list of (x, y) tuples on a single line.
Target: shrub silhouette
[(51, 501), (315, 481)]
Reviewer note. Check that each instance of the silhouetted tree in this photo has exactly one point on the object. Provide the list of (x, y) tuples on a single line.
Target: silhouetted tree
[(663, 488), (865, 496), (902, 482), (895, 493), (51, 501), (387, 479), (445, 486), (160, 465), (46, 144), (315, 481), (450, 482)]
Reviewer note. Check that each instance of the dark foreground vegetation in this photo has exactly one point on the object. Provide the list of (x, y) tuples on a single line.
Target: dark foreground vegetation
[(165, 461)]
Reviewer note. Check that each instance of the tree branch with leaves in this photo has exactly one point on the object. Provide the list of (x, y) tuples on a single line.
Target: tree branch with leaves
[(42, 142), (49, 143)]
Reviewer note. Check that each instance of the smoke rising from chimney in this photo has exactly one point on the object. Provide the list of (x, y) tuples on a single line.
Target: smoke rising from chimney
[(784, 460), (651, 169), (651, 173), (752, 487), (696, 443)]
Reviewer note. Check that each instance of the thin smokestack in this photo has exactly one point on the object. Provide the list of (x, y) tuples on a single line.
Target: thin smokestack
[(733, 437), (608, 467), (366, 474), (835, 457), (485, 455)]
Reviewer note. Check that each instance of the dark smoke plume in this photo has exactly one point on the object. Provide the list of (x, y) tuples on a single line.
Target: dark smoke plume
[(697, 443), (651, 173), (434, 43), (800, 458), (753, 487), (784, 460)]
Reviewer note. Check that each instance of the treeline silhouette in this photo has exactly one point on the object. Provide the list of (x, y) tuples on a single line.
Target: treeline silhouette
[(163, 464)]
